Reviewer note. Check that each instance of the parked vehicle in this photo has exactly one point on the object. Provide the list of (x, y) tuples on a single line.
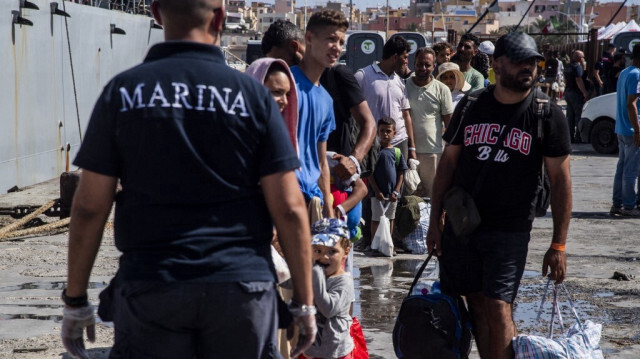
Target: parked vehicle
[(597, 123)]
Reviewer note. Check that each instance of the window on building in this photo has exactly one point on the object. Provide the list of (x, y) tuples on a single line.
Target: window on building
[(466, 22), (456, 18), (539, 9)]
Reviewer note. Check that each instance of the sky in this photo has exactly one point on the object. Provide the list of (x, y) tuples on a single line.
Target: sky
[(362, 4)]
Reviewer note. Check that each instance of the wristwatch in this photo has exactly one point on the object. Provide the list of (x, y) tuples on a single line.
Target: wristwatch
[(74, 302), (396, 193)]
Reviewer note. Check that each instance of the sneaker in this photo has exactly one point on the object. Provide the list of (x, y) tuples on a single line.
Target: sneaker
[(630, 212), (615, 210)]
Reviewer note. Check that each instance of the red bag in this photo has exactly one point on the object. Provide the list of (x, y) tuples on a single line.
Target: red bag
[(360, 345)]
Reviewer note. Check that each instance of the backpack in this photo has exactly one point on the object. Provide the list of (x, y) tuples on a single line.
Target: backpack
[(434, 325), (542, 199), (398, 155)]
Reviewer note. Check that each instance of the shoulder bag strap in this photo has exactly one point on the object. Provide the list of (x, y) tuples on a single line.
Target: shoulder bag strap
[(542, 110)]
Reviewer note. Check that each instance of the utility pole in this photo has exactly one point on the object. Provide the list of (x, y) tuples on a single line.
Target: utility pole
[(386, 34)]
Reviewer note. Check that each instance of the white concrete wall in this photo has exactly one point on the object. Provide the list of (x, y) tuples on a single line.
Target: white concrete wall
[(38, 116)]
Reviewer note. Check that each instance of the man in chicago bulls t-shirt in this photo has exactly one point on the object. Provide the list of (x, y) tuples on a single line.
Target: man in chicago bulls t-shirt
[(487, 265)]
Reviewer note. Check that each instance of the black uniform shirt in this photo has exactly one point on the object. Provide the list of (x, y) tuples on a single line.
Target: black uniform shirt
[(190, 139)]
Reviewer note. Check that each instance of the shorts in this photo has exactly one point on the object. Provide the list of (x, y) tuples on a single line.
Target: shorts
[(487, 262), (195, 320), (377, 206)]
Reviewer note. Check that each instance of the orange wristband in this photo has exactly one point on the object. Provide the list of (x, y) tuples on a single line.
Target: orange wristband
[(558, 247)]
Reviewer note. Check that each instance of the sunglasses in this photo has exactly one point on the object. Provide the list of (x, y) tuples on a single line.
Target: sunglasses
[(465, 46)]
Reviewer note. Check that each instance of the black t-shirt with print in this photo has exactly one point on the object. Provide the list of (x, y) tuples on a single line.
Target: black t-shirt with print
[(506, 195)]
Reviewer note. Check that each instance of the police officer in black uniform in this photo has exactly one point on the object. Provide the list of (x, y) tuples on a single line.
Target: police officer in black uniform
[(205, 163)]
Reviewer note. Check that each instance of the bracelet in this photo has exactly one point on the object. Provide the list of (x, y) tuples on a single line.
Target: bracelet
[(396, 193), (341, 209), (412, 148), (557, 247), (355, 160), (301, 310), (74, 302)]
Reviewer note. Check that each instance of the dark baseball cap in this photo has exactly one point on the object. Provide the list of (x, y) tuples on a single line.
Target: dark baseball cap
[(517, 46)]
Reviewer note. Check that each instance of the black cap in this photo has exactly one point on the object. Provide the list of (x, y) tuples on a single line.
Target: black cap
[(517, 46)]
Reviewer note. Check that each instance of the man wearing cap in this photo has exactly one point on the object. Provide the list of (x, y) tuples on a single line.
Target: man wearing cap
[(431, 109), (204, 178), (487, 265)]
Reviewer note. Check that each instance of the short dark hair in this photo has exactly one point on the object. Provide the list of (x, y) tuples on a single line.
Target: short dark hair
[(472, 38), (279, 33), (387, 121), (441, 46), (327, 17), (617, 57), (396, 45), (635, 54), (425, 50)]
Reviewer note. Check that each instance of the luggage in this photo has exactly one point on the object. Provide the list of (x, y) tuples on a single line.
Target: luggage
[(434, 325), (416, 241), (581, 340)]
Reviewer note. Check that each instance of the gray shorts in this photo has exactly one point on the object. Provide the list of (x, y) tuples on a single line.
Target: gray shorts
[(195, 320), (377, 208)]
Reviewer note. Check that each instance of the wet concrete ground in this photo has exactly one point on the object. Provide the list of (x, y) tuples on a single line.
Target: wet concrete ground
[(33, 273)]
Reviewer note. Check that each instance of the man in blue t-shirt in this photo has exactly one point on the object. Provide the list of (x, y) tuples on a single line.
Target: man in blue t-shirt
[(324, 38), (205, 164), (624, 182)]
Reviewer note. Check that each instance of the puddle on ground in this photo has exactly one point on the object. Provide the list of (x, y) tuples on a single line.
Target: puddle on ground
[(55, 318), (48, 286), (604, 295), (53, 286), (379, 291)]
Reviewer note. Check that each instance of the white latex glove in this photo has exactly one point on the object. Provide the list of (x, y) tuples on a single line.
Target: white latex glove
[(74, 320), (307, 328)]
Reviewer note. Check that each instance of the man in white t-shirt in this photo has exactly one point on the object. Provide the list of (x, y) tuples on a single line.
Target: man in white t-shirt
[(385, 92), (431, 110)]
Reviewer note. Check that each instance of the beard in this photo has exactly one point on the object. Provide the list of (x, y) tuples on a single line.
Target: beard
[(422, 76), (517, 84)]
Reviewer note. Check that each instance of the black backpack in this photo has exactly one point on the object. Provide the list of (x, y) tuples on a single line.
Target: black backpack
[(434, 325), (541, 201)]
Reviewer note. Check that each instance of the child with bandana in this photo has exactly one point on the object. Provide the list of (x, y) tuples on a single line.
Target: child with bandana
[(333, 290)]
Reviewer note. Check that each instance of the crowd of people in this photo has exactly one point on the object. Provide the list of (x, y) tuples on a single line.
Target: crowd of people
[(222, 173)]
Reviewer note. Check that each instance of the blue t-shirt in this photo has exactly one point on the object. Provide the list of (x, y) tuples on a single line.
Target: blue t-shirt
[(571, 73), (628, 84), (316, 121), (190, 140), (386, 171)]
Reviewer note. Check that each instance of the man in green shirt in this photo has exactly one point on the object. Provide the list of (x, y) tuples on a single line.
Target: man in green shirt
[(467, 49)]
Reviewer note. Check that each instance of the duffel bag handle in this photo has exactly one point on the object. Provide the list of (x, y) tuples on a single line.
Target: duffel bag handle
[(419, 274), (556, 309)]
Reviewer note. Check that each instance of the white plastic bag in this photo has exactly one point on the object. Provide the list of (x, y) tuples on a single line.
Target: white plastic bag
[(382, 240), (411, 176), (282, 269)]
